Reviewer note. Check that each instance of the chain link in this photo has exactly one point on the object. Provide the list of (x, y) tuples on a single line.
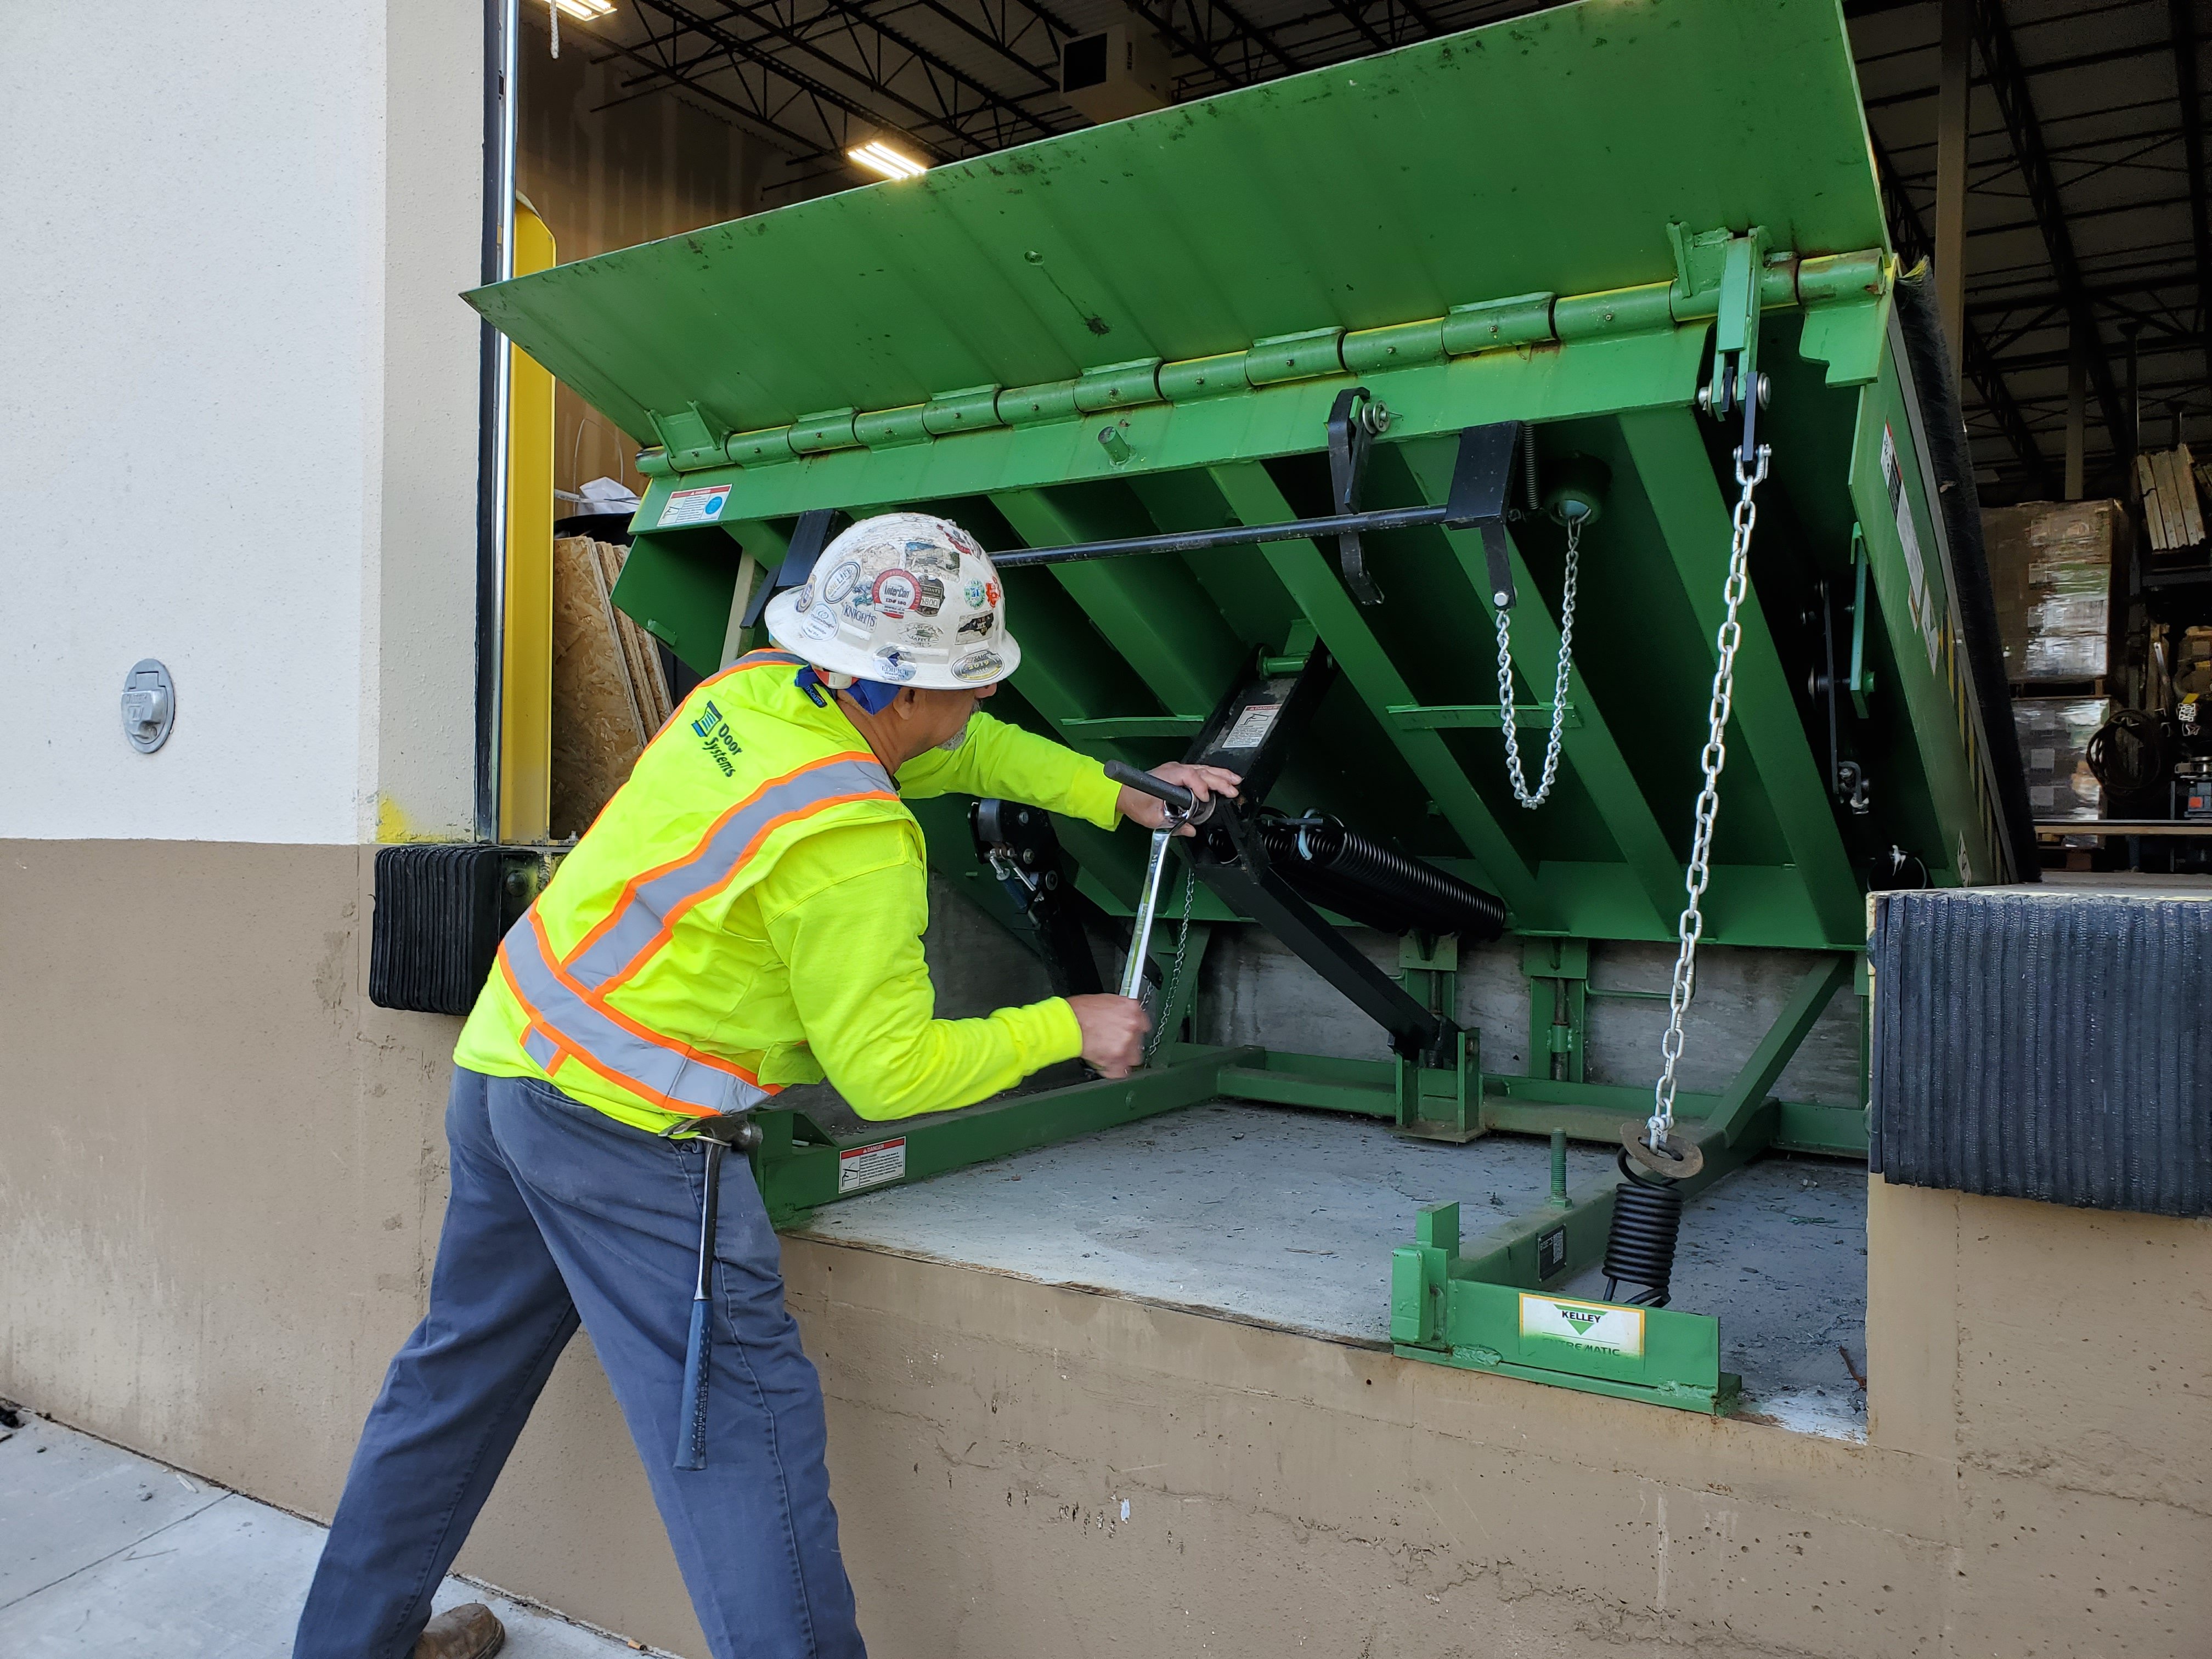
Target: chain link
[(1560, 678), (1175, 971), (1692, 926)]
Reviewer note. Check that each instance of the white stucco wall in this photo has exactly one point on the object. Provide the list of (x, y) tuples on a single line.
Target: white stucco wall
[(239, 432)]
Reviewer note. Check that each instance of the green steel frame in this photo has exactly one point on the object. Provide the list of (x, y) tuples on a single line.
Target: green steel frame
[(1143, 328)]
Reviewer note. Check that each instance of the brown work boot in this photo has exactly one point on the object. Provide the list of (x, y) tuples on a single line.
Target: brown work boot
[(471, 1631)]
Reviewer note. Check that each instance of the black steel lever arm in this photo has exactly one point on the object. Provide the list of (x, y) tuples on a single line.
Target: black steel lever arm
[(1188, 805)]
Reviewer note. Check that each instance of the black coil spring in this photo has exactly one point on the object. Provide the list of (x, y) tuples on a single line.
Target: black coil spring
[(1647, 1224), (1360, 877)]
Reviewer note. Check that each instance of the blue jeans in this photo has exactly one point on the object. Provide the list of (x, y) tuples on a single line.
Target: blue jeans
[(559, 1210)]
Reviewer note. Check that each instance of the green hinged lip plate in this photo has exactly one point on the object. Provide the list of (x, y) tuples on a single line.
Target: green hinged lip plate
[(1546, 154)]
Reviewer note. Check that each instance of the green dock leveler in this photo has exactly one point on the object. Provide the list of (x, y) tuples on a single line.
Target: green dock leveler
[(1286, 414)]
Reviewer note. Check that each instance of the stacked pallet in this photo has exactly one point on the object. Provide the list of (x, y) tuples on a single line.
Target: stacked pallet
[(2050, 573), (610, 695), (2172, 515)]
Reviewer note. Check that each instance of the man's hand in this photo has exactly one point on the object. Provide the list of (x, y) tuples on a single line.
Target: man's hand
[(1203, 781), (1113, 1031)]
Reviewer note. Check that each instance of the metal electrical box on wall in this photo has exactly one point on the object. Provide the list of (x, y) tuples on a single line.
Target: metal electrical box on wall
[(1119, 71)]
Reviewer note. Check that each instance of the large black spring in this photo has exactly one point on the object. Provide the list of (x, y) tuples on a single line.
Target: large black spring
[(1378, 886), (1647, 1224)]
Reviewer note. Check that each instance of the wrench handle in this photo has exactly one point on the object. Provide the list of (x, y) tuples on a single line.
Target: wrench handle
[(1148, 905)]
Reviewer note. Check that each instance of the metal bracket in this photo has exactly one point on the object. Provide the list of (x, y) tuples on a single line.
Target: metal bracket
[(812, 535), (1861, 682), (1736, 381), (1847, 779), (1482, 478), (1354, 420), (1018, 843)]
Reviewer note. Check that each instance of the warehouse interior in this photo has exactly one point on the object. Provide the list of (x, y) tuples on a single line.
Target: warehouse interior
[(2073, 138), (1089, 1344)]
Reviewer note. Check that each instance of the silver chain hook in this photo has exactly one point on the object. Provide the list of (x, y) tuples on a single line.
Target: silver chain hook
[(1692, 926), (1560, 680), (1175, 972)]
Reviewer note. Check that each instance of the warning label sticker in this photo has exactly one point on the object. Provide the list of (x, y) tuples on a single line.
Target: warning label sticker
[(701, 506), (1585, 1324), (861, 1167), (1908, 538), (1253, 725), (1550, 1252)]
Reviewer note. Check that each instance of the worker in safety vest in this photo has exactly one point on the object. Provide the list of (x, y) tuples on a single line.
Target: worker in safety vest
[(746, 913)]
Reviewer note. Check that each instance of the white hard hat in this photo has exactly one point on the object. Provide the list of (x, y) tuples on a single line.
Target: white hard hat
[(904, 598)]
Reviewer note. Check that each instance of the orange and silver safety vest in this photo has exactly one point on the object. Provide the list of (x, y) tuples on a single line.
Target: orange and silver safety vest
[(604, 971)]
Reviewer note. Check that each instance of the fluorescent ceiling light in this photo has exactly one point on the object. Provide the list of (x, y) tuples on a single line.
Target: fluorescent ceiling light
[(879, 157), (585, 11)]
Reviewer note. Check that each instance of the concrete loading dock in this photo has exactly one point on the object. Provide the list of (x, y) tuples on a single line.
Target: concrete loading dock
[(1055, 1424)]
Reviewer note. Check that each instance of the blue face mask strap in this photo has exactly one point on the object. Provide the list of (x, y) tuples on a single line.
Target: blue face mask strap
[(873, 696)]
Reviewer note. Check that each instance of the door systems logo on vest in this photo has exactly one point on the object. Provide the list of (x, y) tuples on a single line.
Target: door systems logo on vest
[(714, 734)]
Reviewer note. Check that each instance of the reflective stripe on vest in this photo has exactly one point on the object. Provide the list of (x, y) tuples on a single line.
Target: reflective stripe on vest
[(626, 938), (566, 999)]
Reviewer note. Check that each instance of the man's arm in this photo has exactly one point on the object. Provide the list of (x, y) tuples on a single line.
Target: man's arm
[(845, 910), (1006, 760)]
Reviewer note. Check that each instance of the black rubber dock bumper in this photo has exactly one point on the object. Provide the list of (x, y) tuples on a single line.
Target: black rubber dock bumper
[(2049, 1042)]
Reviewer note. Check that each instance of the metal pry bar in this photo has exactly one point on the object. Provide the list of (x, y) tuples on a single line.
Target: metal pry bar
[(1481, 477)]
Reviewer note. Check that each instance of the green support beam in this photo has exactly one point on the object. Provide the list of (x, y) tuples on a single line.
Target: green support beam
[(1749, 1090), (799, 1169), (1153, 611), (1678, 477), (1314, 583), (1588, 745)]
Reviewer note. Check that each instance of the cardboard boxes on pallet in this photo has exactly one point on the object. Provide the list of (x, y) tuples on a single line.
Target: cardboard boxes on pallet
[(2051, 569), (2054, 745)]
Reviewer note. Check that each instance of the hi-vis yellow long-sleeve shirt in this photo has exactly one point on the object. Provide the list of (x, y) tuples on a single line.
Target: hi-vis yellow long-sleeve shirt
[(747, 914)]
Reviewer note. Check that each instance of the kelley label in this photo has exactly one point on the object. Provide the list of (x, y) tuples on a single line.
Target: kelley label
[(1585, 1324)]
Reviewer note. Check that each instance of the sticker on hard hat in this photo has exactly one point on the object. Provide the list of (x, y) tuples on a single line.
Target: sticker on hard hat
[(804, 602), (892, 665), (841, 580), (932, 597), (819, 625), (980, 665), (974, 591), (979, 626), (896, 592)]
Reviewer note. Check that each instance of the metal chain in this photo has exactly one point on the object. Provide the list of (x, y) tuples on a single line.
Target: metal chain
[(1564, 674), (1692, 925), (1175, 971)]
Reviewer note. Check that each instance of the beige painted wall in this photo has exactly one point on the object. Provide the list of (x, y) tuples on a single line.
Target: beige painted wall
[(253, 226), (220, 1177)]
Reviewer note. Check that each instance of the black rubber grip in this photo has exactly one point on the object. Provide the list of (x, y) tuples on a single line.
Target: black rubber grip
[(1194, 810), (1158, 788)]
